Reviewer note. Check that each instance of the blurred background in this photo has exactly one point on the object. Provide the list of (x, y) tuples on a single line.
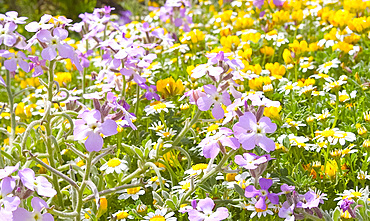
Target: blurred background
[(34, 9)]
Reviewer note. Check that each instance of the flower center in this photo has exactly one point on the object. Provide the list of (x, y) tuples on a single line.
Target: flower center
[(122, 215), (157, 218), (114, 162), (134, 190)]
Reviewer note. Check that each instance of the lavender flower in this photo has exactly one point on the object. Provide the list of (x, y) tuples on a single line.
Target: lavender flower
[(38, 205), (9, 201), (42, 24), (204, 103), (39, 184), (204, 211), (91, 126), (249, 160), (251, 133), (213, 144), (263, 193)]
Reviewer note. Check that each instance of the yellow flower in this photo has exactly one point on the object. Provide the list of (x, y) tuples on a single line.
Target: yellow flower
[(331, 168), (298, 47), (103, 206), (272, 112), (168, 87), (230, 42), (276, 70), (254, 37), (268, 51), (258, 83), (63, 77), (287, 56)]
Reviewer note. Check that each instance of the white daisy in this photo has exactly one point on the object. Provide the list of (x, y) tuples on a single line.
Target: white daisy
[(324, 68), (114, 165), (158, 107), (160, 214)]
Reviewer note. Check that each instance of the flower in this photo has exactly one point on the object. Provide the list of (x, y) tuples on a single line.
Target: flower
[(38, 205), (156, 126), (204, 211), (167, 133), (91, 126), (133, 192), (169, 87), (213, 144), (160, 215), (263, 193), (9, 201), (204, 103), (114, 165), (122, 215), (39, 184), (248, 122), (260, 212), (335, 135), (158, 107), (249, 160)]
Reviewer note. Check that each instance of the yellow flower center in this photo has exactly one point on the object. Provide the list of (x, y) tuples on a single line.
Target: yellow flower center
[(157, 218), (328, 64), (158, 105), (356, 194), (134, 190), (114, 162), (185, 186), (122, 215), (288, 87), (200, 166), (213, 127), (328, 133)]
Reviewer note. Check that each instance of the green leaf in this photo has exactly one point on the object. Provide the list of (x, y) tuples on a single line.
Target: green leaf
[(239, 190)]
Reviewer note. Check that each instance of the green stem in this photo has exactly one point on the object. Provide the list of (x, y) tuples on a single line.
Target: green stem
[(336, 108), (207, 176), (187, 127), (11, 108), (83, 186)]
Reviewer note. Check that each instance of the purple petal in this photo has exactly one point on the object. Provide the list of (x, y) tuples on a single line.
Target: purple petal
[(218, 112), (268, 125), (266, 143), (210, 89), (10, 65), (27, 177), (211, 150), (273, 197), (38, 204), (265, 184), (2, 82), (251, 191), (248, 121), (49, 53), (65, 51), (206, 205), (247, 140), (24, 65), (44, 36), (261, 204), (94, 142), (230, 142), (61, 33), (109, 128), (22, 214), (7, 186), (204, 103)]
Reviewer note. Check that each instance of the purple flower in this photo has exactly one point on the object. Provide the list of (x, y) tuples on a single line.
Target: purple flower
[(204, 103), (346, 204), (263, 193), (204, 69), (258, 3), (249, 160), (204, 211), (9, 201), (213, 144), (14, 59), (42, 24), (55, 41), (150, 92), (91, 126), (37, 65), (132, 74), (285, 188), (287, 211), (38, 205), (310, 200), (12, 16), (7, 35), (39, 184), (251, 133), (7, 171)]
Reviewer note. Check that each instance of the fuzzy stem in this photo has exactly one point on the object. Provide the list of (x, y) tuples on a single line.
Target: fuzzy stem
[(11, 109), (187, 127)]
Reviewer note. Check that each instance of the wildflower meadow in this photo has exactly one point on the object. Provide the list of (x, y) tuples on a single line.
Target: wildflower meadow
[(187, 110)]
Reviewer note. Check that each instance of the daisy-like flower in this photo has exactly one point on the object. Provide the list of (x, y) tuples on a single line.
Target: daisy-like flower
[(158, 107), (333, 86), (323, 116), (260, 212), (197, 169), (114, 165), (322, 76), (306, 65), (334, 136), (122, 215), (160, 215), (324, 68), (156, 126), (154, 182), (361, 175), (167, 133), (353, 194), (289, 87), (293, 124), (280, 40), (133, 192)]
